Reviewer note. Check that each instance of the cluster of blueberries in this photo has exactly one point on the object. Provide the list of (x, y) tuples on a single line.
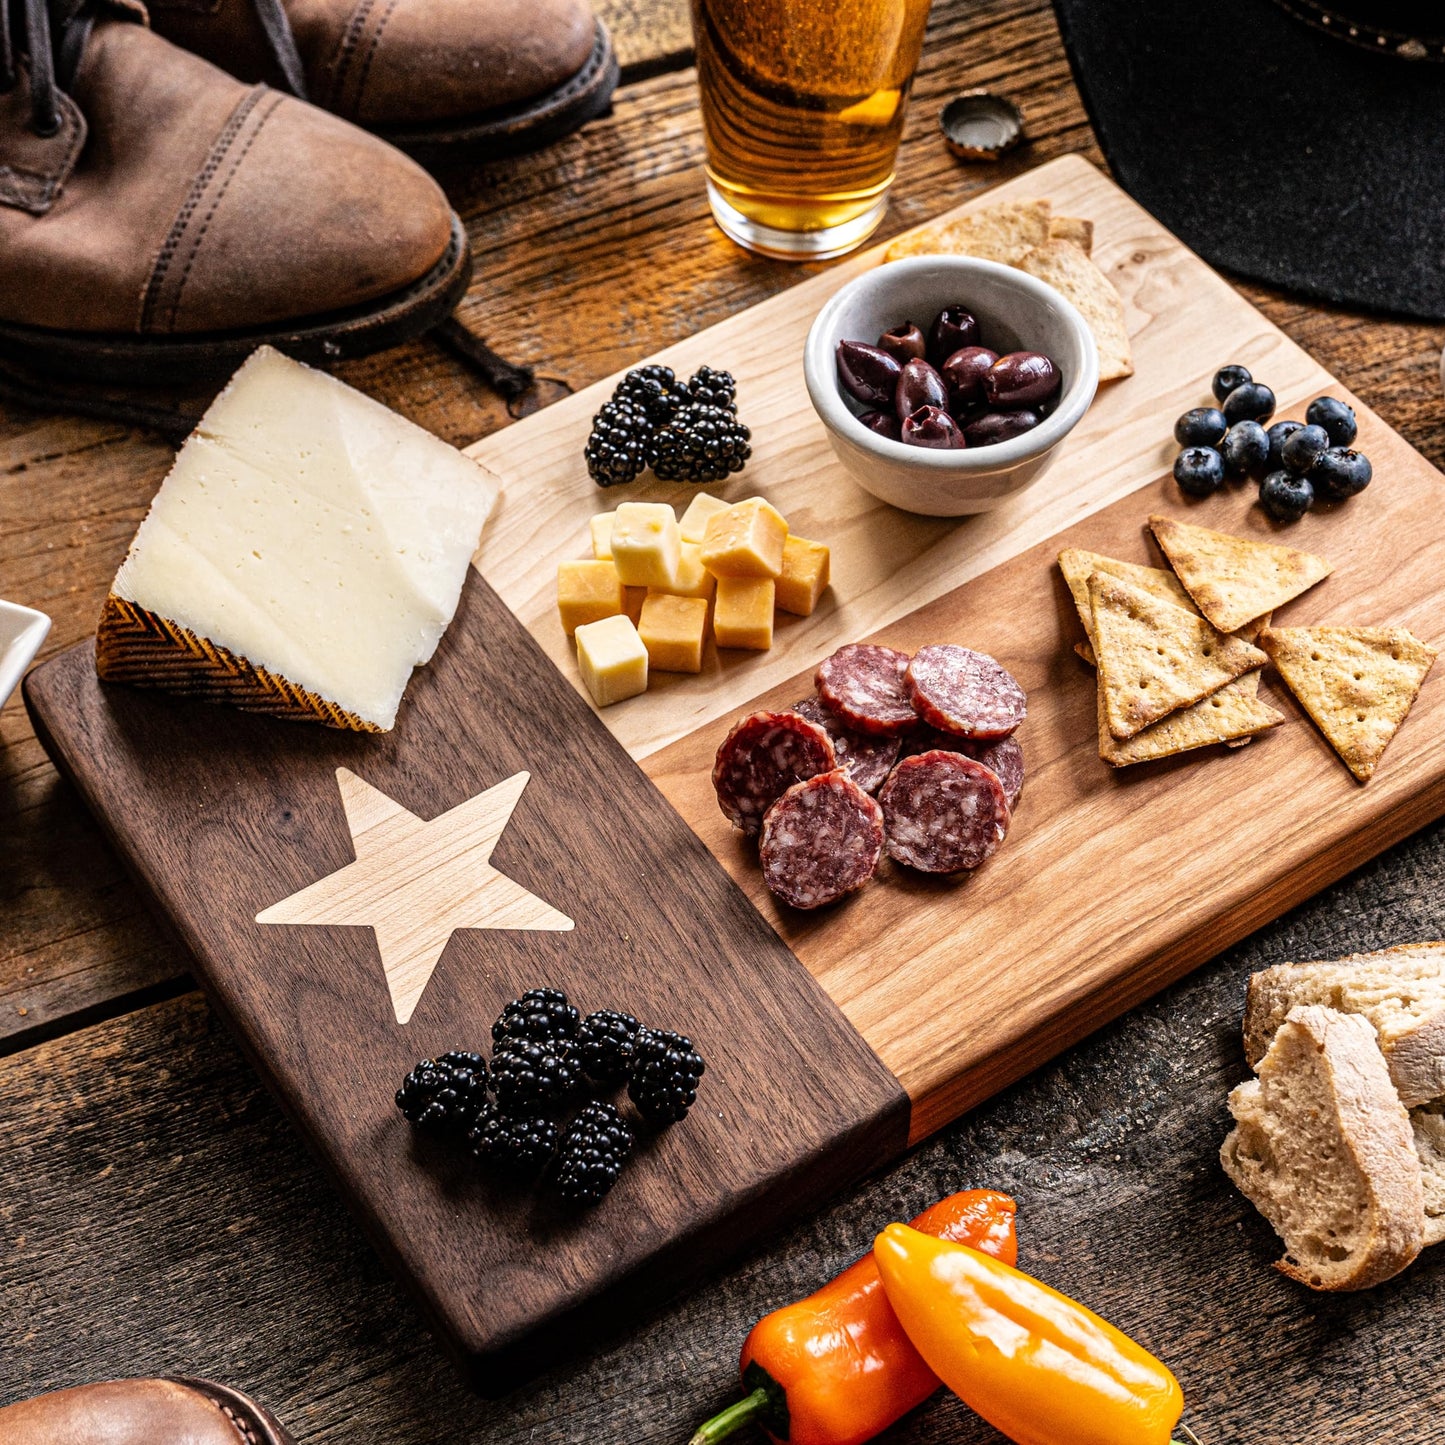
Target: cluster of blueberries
[(1296, 463)]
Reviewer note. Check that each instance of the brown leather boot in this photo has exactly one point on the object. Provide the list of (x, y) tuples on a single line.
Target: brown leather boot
[(142, 1412), (499, 75), (159, 219)]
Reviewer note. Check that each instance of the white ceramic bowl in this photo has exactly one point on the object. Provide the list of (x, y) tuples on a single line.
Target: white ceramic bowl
[(22, 630), (1015, 312)]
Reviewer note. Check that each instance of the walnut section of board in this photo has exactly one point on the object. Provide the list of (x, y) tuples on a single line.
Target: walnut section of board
[(305, 553)]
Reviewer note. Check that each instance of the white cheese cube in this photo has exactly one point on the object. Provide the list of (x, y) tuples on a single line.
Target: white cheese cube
[(695, 518), (612, 660), (602, 536), (646, 544)]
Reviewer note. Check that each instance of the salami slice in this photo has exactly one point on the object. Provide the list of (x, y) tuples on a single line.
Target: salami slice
[(863, 686), (1004, 758), (943, 812), (821, 841), (961, 691), (866, 760), (761, 758)]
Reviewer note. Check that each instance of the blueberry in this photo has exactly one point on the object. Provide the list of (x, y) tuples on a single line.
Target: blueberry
[(1277, 434), (1227, 378), (1198, 470), (1245, 449), (1205, 426), (1249, 401), (1285, 496), (1341, 473), (1336, 418), (1301, 449)]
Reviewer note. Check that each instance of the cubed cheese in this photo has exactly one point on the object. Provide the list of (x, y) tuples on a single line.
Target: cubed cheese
[(646, 544), (587, 592), (673, 630), (743, 615), (612, 660), (693, 579), (745, 541), (695, 519), (602, 536), (632, 600), (804, 576)]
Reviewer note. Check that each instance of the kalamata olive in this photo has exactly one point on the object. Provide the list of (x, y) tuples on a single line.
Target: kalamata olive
[(953, 328), (1020, 379), (903, 342), (869, 374), (963, 371), (919, 385), (1000, 426), (931, 426), (883, 422)]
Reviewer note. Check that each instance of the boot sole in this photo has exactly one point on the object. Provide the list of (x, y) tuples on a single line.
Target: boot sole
[(527, 126), (134, 359)]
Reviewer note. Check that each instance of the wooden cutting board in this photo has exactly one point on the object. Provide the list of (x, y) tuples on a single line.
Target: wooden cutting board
[(831, 1039)]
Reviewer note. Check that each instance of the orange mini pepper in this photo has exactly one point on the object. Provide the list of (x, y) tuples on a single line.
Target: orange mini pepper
[(836, 1368), (1036, 1365)]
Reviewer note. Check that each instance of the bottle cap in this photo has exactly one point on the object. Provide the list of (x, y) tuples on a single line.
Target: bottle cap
[(981, 126)]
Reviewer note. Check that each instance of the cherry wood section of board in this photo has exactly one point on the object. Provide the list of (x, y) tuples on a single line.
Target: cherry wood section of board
[(1184, 320), (1111, 883), (221, 815)]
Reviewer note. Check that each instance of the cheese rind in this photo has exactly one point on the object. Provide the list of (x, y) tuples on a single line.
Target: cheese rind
[(745, 541), (587, 592), (699, 511), (804, 575), (673, 630), (612, 660), (646, 544), (743, 614)]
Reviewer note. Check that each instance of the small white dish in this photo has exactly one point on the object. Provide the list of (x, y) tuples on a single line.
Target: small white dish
[(22, 630), (1016, 312)]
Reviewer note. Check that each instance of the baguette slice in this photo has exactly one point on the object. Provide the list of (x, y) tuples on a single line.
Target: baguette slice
[(1324, 1150), (1429, 1130), (1401, 991)]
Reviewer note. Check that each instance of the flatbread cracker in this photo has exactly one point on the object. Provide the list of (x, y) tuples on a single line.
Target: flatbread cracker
[(1068, 270), (1357, 683), (1233, 715), (1250, 632), (1234, 580), (1155, 658), (1073, 228), (1004, 232), (1076, 564)]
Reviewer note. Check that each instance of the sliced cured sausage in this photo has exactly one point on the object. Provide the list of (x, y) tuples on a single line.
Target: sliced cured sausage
[(1004, 758), (863, 686), (958, 690), (866, 760), (761, 758), (943, 812), (821, 841)]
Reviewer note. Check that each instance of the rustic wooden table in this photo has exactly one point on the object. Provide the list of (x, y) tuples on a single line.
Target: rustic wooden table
[(158, 1215)]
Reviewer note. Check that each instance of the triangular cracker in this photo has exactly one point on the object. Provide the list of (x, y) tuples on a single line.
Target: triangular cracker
[(1357, 683), (1002, 232), (1232, 579), (1233, 715), (1250, 632), (1068, 270), (1076, 564), (1155, 658), (1072, 228)]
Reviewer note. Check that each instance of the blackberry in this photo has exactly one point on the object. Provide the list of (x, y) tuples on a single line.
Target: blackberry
[(616, 449), (604, 1046), (707, 387), (542, 1015), (663, 1079), (653, 390), (518, 1147), (700, 444), (530, 1078), (443, 1096), (594, 1149)]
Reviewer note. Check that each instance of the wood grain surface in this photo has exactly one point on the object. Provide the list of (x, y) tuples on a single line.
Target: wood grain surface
[(219, 814)]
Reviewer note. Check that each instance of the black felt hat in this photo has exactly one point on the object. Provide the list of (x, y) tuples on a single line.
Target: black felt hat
[(1294, 142)]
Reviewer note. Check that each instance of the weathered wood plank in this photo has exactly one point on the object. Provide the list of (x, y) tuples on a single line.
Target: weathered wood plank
[(648, 35)]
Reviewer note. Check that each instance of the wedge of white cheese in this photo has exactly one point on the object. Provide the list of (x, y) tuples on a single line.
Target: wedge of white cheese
[(306, 552)]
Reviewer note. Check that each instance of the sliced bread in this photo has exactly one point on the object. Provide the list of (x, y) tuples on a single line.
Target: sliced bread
[(1401, 991), (1429, 1130), (1324, 1150)]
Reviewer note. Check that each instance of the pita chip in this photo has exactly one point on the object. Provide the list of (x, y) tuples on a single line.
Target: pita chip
[(1250, 632), (1233, 715), (1155, 658), (1357, 683), (1068, 270), (1232, 579), (1076, 564), (1071, 228), (1002, 232)]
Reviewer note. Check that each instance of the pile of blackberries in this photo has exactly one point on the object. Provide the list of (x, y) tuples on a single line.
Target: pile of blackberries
[(685, 431), (1295, 463), (545, 1058)]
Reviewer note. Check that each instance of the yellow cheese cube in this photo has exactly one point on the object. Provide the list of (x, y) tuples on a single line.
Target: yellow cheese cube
[(743, 616), (646, 544), (612, 660), (672, 630), (745, 541), (602, 536), (587, 592), (804, 576), (632, 600), (695, 519), (693, 579)]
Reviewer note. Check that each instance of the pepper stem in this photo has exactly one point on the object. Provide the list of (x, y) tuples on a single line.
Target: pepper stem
[(730, 1421)]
